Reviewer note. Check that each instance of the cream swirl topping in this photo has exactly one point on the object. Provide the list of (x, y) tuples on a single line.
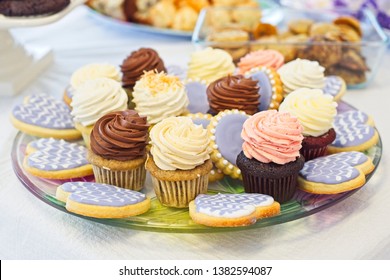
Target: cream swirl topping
[(95, 98), (158, 96), (301, 73), (272, 136), (178, 143), (314, 110), (93, 71), (210, 64)]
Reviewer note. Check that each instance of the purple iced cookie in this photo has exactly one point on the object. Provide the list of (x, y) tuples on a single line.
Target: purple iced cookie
[(44, 116), (201, 119), (196, 92), (335, 173), (56, 159), (177, 71), (102, 200), (271, 90), (226, 142), (354, 132), (335, 86)]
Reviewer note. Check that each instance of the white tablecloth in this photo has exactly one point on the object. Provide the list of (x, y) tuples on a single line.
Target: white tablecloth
[(356, 228)]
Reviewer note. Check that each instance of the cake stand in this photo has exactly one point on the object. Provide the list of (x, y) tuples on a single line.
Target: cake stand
[(20, 64)]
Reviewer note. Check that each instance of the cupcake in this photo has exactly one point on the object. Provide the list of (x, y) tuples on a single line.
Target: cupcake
[(268, 58), (90, 72), (179, 161), (301, 73), (210, 64), (133, 67), (233, 92), (118, 149), (316, 112), (92, 100), (158, 96), (270, 160)]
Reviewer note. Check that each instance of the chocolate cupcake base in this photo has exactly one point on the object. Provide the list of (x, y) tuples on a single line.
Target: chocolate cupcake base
[(313, 147), (279, 181)]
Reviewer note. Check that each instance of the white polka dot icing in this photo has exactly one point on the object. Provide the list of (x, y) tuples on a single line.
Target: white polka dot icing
[(44, 111), (101, 194), (333, 169), (53, 155), (231, 205), (352, 129)]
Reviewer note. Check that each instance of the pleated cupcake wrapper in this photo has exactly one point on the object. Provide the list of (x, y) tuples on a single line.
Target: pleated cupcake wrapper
[(133, 179), (178, 194), (281, 189), (312, 153)]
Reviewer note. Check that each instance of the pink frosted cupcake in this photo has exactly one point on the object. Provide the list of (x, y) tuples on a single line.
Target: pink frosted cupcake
[(270, 160), (269, 58)]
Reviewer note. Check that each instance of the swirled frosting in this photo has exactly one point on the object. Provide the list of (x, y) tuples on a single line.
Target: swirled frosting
[(158, 96), (268, 58), (301, 73), (210, 64), (93, 71), (272, 136), (178, 143), (144, 59), (314, 110), (234, 92), (95, 98), (121, 135)]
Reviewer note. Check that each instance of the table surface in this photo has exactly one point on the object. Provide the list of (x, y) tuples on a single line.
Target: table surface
[(356, 228)]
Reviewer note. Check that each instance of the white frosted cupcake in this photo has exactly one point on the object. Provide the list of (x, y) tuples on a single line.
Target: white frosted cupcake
[(179, 161), (301, 73), (158, 96), (90, 72), (92, 100), (210, 64)]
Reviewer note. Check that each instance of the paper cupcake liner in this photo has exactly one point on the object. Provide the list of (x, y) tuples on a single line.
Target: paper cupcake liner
[(179, 194), (312, 153), (133, 179), (281, 189)]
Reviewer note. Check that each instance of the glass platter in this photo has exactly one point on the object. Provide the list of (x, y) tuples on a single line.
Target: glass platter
[(165, 219), (270, 13)]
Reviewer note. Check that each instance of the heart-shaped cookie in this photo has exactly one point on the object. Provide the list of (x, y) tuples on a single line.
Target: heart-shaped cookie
[(197, 97), (226, 142), (44, 116), (270, 87), (336, 173), (56, 159), (102, 200), (354, 132), (232, 209), (334, 86)]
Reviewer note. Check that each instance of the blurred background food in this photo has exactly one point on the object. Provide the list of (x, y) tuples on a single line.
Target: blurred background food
[(175, 14)]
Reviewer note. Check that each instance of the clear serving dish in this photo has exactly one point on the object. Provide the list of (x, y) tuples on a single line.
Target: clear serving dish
[(357, 61)]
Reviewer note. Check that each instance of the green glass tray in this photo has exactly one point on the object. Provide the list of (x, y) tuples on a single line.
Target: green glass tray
[(165, 219)]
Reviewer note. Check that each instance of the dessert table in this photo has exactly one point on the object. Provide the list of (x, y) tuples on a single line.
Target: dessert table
[(355, 228)]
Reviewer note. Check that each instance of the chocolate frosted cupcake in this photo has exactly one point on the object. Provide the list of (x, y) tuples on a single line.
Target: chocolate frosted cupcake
[(234, 92), (316, 112), (270, 160), (133, 67), (118, 149)]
